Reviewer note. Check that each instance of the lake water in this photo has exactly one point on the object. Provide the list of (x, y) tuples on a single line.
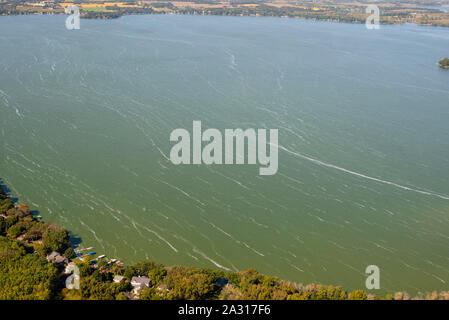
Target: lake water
[(363, 118)]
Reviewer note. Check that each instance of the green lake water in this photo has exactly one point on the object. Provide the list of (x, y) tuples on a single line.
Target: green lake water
[(363, 120)]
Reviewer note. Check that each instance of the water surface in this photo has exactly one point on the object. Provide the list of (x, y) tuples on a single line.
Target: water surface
[(362, 115)]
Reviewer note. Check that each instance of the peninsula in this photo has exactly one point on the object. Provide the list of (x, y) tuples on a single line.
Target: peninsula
[(444, 63)]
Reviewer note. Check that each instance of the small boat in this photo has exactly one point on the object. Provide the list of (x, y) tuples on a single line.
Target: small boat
[(91, 253), (102, 256)]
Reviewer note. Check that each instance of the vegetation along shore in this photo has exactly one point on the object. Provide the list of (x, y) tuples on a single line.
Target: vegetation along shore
[(36, 258), (444, 63), (421, 12)]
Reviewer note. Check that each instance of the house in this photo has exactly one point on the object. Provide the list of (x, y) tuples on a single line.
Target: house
[(61, 260), (139, 283), (118, 279), (57, 258)]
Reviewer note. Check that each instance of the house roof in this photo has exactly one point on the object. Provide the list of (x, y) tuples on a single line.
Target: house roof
[(118, 278), (60, 259), (53, 255), (139, 281)]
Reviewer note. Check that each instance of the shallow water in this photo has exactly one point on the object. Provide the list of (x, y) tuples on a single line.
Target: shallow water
[(363, 132)]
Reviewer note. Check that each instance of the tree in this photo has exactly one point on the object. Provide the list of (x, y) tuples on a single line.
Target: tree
[(57, 240), (157, 275), (25, 276), (5, 202), (151, 294), (15, 230), (69, 253), (189, 283), (95, 288), (196, 286), (140, 268), (234, 278), (36, 231), (357, 295), (6, 205), (444, 63), (2, 226), (10, 221), (121, 296)]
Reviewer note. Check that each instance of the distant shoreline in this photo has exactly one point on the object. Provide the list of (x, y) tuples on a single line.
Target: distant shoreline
[(390, 13), (254, 16)]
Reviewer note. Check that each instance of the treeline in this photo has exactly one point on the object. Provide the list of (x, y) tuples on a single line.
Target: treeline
[(25, 276), (114, 12), (24, 244), (25, 273), (444, 63), (188, 283), (324, 10)]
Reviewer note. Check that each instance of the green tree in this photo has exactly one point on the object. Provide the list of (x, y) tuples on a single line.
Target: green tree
[(6, 205), (69, 253), (156, 275), (444, 63), (357, 295), (25, 276), (15, 230), (121, 296), (36, 231), (57, 240), (140, 268), (151, 294)]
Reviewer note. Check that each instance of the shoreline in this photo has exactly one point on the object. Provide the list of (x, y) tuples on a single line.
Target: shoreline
[(237, 16), (24, 237), (390, 14)]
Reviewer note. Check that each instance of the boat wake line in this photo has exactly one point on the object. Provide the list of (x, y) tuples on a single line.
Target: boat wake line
[(325, 164)]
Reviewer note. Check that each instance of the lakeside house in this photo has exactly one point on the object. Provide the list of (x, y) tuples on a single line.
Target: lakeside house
[(57, 258), (139, 283)]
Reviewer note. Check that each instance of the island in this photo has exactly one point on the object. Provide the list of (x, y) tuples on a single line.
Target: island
[(444, 63)]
